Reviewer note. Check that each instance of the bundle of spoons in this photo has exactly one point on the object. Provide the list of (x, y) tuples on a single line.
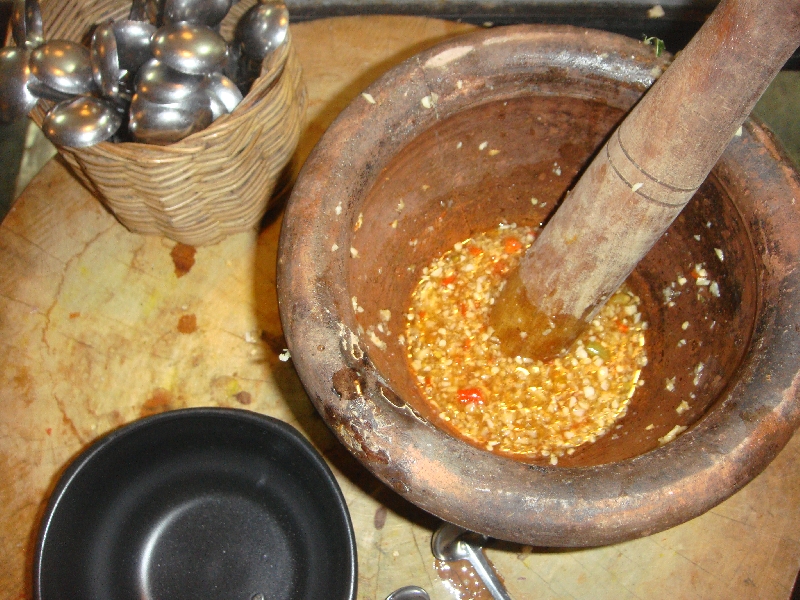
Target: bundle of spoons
[(156, 77)]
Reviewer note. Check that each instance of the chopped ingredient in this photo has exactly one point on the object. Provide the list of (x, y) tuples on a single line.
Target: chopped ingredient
[(373, 337), (658, 44), (673, 433), (430, 101), (698, 372), (516, 404), (470, 395)]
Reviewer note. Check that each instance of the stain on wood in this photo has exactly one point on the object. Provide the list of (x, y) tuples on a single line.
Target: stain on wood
[(187, 323), (243, 397), (183, 258), (380, 517), (161, 401)]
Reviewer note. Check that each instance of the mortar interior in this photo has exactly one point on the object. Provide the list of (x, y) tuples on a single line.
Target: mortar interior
[(439, 193)]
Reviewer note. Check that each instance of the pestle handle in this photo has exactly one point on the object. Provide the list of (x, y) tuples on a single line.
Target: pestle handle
[(646, 173)]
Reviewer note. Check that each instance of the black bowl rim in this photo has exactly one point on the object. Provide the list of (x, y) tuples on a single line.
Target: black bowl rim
[(85, 458)]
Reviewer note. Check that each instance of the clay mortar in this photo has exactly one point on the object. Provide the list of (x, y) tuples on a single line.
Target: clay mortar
[(546, 98)]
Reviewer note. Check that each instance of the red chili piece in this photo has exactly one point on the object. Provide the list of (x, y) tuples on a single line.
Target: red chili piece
[(470, 396)]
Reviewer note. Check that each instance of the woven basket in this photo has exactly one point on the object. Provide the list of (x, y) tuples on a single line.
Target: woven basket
[(211, 184)]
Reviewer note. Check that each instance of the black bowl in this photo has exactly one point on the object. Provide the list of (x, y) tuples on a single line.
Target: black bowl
[(200, 503)]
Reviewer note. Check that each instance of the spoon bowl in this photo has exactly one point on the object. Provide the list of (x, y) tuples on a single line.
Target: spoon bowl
[(133, 43), (224, 94), (16, 100), (158, 83), (63, 66), (45, 92), (259, 33), (105, 60), (262, 29), (163, 124), (194, 49), (81, 122)]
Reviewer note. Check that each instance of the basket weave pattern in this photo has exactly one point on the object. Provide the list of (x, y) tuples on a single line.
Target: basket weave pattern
[(211, 184)]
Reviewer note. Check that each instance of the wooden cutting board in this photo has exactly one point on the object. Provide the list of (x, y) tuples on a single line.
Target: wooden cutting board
[(100, 326)]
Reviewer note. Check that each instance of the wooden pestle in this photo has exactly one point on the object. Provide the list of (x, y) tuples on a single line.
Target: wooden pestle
[(646, 173)]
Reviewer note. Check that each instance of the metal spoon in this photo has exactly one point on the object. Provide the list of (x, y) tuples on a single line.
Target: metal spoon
[(224, 94), (260, 31), (26, 24), (409, 592), (16, 100), (158, 83), (105, 60), (81, 122), (164, 124), (200, 12), (133, 43), (449, 543), (190, 48), (63, 66), (41, 90)]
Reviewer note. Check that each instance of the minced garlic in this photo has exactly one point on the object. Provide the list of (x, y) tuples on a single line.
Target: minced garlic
[(516, 404)]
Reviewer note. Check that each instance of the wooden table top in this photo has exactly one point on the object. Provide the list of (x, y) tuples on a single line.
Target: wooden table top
[(100, 326)]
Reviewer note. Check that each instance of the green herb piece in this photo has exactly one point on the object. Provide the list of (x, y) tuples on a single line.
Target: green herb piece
[(657, 43)]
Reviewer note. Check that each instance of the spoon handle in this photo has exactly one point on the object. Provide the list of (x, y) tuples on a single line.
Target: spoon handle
[(452, 543), (485, 570)]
